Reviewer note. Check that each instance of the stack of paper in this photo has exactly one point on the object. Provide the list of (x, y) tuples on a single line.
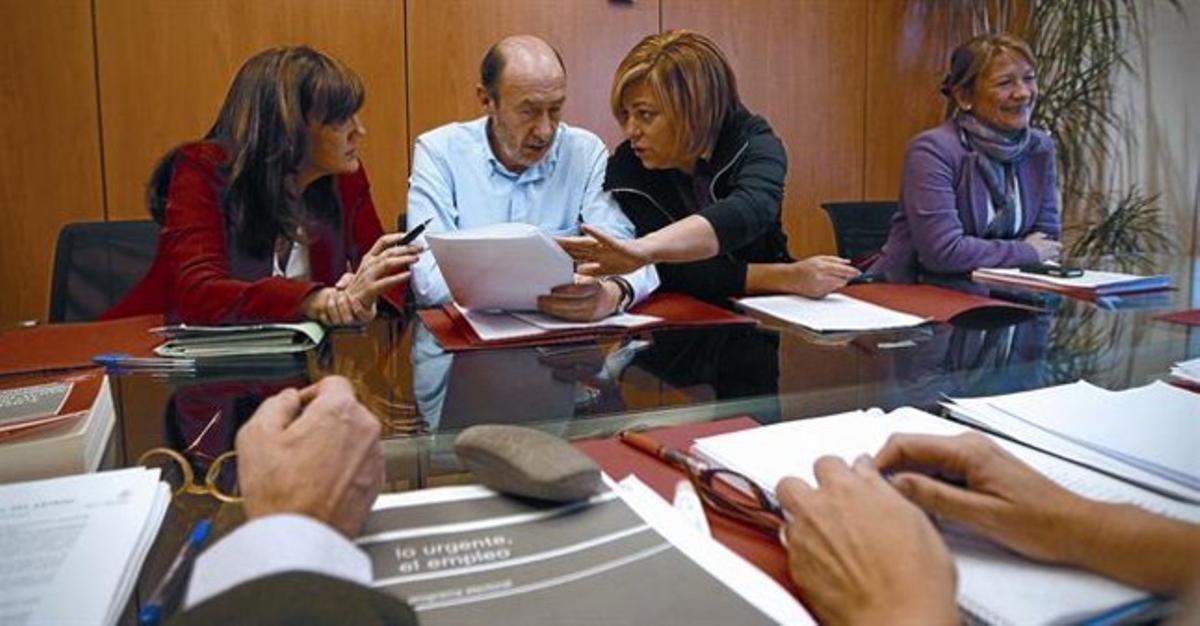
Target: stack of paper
[(500, 326), (835, 312), (1149, 434), (995, 585), (56, 427), (73, 546), (210, 342), (1091, 283)]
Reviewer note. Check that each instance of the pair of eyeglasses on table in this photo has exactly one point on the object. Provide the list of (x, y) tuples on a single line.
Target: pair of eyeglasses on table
[(175, 467), (722, 491)]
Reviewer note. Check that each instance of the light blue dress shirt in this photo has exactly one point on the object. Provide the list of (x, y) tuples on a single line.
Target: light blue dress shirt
[(457, 181)]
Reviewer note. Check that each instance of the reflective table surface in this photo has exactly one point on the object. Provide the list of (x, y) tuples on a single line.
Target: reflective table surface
[(425, 396)]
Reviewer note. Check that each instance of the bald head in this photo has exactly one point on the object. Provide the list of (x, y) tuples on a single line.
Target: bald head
[(522, 56)]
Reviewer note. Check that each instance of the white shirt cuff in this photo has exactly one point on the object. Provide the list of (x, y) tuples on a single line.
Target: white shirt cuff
[(272, 545)]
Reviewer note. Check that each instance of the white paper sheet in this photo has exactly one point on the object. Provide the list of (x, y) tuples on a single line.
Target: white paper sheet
[(1101, 282), (1156, 426), (835, 312), (498, 325), (502, 266)]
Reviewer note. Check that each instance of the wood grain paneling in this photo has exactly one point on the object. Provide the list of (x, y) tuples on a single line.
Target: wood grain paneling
[(448, 38), (50, 156), (800, 64), (908, 51), (165, 68)]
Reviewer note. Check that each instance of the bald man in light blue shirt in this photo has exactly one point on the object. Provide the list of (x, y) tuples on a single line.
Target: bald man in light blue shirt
[(520, 163)]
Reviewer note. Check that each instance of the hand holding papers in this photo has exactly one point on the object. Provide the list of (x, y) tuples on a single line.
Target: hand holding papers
[(502, 266)]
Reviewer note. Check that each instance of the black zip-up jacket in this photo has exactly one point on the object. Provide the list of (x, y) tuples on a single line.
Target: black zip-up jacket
[(747, 171)]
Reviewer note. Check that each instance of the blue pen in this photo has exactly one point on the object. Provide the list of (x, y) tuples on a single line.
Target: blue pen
[(1141, 610), (119, 362), (152, 612)]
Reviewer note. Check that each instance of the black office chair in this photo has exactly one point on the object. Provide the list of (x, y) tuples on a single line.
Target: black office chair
[(860, 228), (96, 264)]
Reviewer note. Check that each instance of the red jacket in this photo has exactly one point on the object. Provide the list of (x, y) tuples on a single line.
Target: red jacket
[(200, 277)]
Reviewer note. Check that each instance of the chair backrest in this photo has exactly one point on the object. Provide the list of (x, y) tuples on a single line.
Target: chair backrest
[(860, 228), (96, 264)]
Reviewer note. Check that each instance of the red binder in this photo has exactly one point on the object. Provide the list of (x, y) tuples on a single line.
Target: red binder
[(675, 309), (1187, 318), (619, 461), (66, 346), (928, 301)]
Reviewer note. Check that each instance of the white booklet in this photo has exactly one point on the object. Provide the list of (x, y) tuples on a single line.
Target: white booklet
[(995, 585), (834, 312), (1153, 429), (74, 545), (502, 266)]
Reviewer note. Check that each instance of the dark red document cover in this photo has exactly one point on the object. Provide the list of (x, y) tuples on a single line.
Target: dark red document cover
[(928, 301), (65, 346), (1187, 318), (620, 460), (675, 309)]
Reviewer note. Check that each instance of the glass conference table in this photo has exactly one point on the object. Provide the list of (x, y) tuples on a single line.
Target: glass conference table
[(425, 396)]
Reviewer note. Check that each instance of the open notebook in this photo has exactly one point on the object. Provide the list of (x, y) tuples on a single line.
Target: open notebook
[(994, 584)]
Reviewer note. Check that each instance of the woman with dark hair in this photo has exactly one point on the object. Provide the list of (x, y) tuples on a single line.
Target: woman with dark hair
[(702, 180), (979, 190), (269, 217)]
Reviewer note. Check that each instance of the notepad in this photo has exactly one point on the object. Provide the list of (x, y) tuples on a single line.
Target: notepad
[(1090, 282), (995, 585), (835, 312), (213, 342)]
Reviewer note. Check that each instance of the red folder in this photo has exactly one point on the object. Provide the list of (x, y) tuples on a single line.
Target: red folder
[(620, 460), (65, 346), (928, 301), (1188, 318), (675, 309)]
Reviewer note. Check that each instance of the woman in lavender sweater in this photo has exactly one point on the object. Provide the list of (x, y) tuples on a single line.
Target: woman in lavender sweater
[(978, 190)]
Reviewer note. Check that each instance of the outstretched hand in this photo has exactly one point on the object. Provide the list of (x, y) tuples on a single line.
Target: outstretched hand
[(600, 254)]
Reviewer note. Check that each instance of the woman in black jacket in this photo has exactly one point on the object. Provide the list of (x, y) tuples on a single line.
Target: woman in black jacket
[(702, 180)]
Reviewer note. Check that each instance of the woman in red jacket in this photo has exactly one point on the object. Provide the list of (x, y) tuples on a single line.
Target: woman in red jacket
[(269, 217)]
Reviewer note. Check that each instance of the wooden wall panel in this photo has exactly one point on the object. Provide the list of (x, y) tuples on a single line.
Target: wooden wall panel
[(165, 68), (908, 51), (800, 64), (448, 38), (50, 156)]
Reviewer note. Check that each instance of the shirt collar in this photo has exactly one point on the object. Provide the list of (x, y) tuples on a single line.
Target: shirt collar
[(542, 169)]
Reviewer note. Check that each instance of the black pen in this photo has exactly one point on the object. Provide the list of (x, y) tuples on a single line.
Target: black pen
[(412, 235)]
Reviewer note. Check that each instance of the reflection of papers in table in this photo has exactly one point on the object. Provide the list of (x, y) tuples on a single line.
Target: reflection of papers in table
[(502, 266), (73, 546), (835, 312), (469, 555), (995, 585)]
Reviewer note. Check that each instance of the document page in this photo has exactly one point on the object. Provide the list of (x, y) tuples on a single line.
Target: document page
[(502, 266), (27, 403), (835, 312), (73, 546), (467, 555), (1156, 427)]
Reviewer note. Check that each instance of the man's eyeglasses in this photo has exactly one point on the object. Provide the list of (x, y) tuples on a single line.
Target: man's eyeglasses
[(722, 491), (220, 479)]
